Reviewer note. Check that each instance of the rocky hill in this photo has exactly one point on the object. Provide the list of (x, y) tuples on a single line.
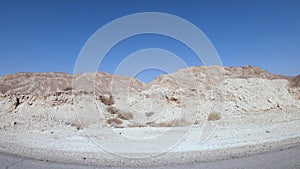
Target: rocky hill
[(42, 83), (104, 83), (186, 97), (208, 76)]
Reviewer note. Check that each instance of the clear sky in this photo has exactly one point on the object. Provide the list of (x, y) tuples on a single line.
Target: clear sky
[(42, 36)]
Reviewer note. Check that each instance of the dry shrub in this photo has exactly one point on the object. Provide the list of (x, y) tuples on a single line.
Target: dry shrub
[(114, 121), (151, 124), (121, 115), (172, 99), (242, 77), (76, 124), (165, 124), (107, 100), (196, 122), (213, 116), (135, 124), (125, 116), (112, 110), (149, 114), (173, 123), (68, 89)]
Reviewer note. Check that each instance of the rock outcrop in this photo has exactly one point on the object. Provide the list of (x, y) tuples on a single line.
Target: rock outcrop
[(296, 81)]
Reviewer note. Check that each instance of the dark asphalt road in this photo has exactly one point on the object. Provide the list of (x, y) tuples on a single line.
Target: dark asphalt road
[(283, 159)]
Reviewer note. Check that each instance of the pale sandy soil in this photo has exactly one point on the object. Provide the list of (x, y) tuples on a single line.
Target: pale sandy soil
[(233, 137)]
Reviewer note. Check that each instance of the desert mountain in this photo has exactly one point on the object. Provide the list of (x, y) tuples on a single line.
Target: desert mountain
[(104, 83)]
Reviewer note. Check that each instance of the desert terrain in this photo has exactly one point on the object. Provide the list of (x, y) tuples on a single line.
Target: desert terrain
[(200, 113)]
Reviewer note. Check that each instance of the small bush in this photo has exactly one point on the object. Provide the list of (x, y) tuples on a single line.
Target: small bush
[(135, 124), (114, 121), (68, 89), (125, 116), (213, 117), (112, 110), (242, 76), (76, 124), (107, 100), (165, 124), (149, 114), (173, 123), (172, 99)]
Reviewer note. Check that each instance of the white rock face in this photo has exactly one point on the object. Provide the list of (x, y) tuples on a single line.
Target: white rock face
[(253, 95)]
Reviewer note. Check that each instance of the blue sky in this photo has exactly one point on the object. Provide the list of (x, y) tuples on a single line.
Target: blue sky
[(42, 36)]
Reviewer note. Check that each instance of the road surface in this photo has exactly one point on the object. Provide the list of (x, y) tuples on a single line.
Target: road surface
[(287, 158)]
